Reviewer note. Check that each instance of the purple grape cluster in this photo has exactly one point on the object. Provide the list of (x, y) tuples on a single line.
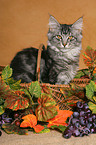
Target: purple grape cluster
[(82, 122), (4, 119)]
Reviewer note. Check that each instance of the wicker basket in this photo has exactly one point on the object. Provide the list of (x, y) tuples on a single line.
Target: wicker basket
[(56, 92)]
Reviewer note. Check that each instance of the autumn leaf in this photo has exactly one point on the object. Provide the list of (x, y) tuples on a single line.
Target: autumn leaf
[(30, 120), (94, 71), (16, 102), (60, 118), (94, 74), (13, 129), (90, 57), (46, 108), (38, 128)]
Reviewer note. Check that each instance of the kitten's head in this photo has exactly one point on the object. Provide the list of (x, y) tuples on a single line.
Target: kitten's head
[(62, 37)]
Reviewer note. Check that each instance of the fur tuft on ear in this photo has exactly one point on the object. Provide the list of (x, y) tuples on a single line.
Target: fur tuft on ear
[(53, 24), (78, 24)]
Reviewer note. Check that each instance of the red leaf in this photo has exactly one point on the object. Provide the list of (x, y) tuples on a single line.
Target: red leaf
[(16, 102)]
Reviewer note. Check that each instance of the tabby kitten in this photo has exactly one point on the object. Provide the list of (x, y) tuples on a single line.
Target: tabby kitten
[(59, 63)]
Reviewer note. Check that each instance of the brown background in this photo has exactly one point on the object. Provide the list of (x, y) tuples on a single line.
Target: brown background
[(24, 23)]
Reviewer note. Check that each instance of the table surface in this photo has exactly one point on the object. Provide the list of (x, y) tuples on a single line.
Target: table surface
[(51, 138)]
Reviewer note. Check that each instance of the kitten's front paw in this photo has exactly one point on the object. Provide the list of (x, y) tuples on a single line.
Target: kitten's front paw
[(63, 79)]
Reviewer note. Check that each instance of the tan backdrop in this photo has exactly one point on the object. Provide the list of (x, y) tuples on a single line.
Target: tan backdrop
[(24, 23)]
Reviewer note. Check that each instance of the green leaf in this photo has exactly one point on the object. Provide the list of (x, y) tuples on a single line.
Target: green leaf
[(90, 89), (13, 84), (46, 130), (79, 74), (2, 110), (94, 98), (6, 73), (6, 76), (13, 129), (1, 101), (82, 72), (35, 89), (60, 127), (92, 107), (46, 108)]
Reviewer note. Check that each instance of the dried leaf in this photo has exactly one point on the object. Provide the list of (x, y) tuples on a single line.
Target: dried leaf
[(46, 108)]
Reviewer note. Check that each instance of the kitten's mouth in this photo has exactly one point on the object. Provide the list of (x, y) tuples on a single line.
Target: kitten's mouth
[(65, 49)]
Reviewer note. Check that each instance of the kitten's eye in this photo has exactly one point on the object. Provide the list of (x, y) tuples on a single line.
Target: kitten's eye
[(70, 37), (58, 36)]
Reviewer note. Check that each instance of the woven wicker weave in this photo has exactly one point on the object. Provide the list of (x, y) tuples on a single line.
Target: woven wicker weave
[(55, 89)]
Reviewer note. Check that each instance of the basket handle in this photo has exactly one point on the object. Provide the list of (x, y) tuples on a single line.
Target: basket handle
[(38, 62)]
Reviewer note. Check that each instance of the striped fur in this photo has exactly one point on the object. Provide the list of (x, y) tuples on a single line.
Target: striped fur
[(60, 62)]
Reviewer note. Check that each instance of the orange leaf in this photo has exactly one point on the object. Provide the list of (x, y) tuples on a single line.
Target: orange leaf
[(25, 123), (60, 118), (38, 128), (94, 71), (30, 120)]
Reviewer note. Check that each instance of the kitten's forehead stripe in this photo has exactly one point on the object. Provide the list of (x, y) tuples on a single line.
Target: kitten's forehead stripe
[(65, 28)]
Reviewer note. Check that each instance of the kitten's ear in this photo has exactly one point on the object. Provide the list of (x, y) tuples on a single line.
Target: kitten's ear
[(78, 24), (53, 24)]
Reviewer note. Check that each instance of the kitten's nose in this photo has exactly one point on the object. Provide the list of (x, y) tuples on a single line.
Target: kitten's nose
[(64, 44)]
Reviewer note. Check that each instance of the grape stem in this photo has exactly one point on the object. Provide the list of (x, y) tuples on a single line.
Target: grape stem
[(17, 118), (70, 119)]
